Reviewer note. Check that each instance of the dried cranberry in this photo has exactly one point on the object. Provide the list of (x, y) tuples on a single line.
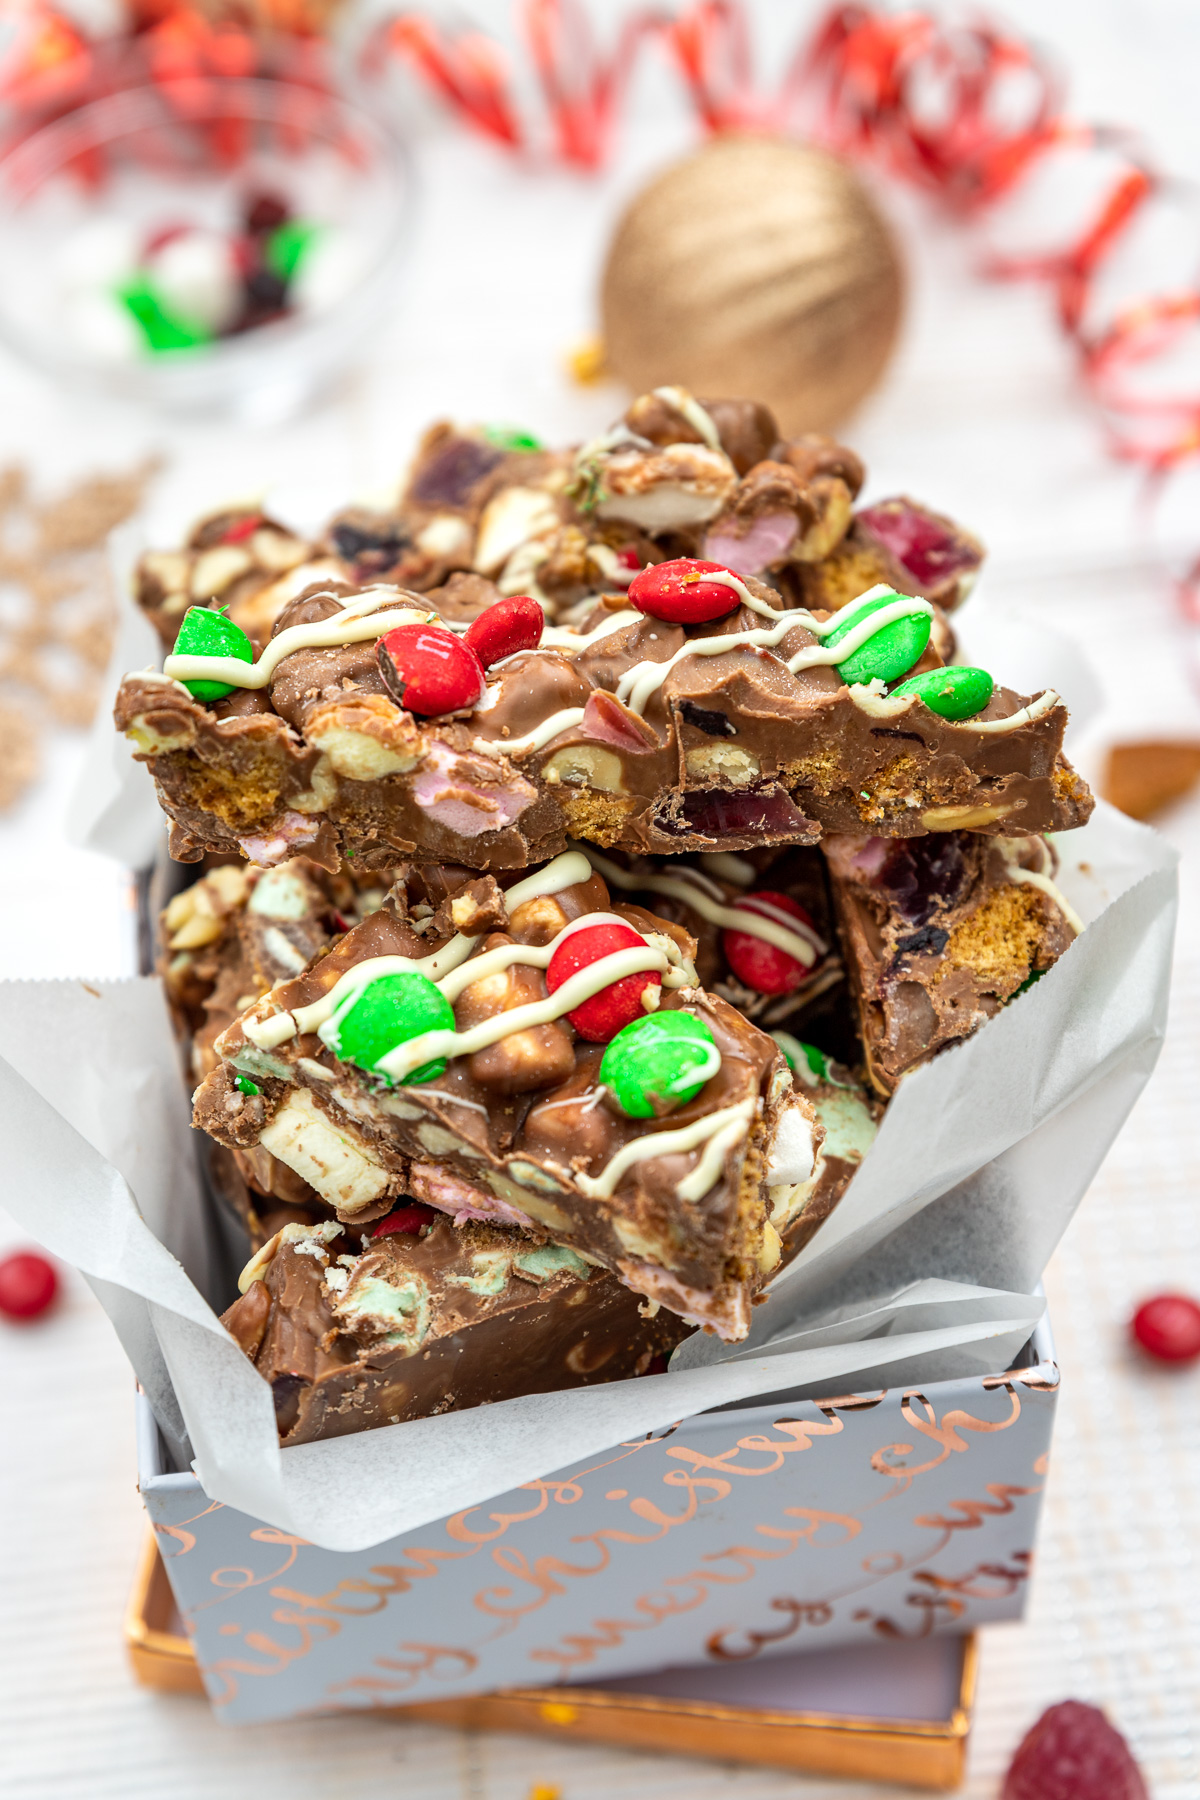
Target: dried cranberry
[(716, 813), (932, 549), (408, 1220), (266, 212), (762, 966), (601, 1017), (428, 670), (924, 873), (28, 1284), (677, 592), (448, 477), (1073, 1753), (504, 628), (266, 291), (370, 547), (1168, 1327)]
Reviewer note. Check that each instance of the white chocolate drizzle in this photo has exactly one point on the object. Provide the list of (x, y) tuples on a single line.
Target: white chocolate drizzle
[(1010, 850), (581, 986), (719, 1132), (689, 408), (564, 720), (1028, 715), (644, 679), (360, 619), (568, 870), (793, 938)]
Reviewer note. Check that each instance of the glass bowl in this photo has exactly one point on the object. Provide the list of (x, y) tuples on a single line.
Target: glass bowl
[(176, 169)]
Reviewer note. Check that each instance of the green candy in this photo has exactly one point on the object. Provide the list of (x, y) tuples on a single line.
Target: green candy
[(385, 1013), (208, 633), (511, 437), (887, 655), (162, 329), (658, 1063), (244, 1085), (288, 245), (950, 693)]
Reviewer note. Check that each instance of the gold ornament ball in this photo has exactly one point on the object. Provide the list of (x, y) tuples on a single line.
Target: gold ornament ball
[(756, 267)]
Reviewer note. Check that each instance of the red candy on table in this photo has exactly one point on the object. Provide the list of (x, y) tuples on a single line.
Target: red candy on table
[(408, 1221), (504, 628), (676, 591), (600, 1018), (760, 965), (428, 670), (1168, 1327), (1073, 1753), (28, 1285)]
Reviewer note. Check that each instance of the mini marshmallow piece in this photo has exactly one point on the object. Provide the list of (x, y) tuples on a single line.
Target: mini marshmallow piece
[(195, 275)]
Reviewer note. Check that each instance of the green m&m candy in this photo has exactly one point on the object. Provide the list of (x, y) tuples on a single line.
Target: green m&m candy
[(891, 652), (385, 1013), (511, 437), (950, 693), (288, 245), (208, 633), (658, 1063)]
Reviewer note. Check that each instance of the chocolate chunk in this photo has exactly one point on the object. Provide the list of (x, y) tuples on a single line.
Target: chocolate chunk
[(713, 724), (433, 1321), (447, 477)]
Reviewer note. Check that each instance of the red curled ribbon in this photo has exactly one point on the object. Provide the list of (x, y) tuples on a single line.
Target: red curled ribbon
[(964, 113)]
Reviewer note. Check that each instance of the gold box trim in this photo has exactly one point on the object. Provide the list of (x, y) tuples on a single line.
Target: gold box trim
[(922, 1753)]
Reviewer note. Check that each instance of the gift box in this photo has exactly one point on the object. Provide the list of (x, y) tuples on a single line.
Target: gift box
[(894, 1711), (734, 1536)]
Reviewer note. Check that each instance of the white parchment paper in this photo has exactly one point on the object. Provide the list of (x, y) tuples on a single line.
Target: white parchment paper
[(925, 1271)]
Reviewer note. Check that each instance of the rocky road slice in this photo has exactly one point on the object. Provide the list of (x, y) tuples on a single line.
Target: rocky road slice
[(939, 933), (535, 1056), (368, 728), (425, 1318)]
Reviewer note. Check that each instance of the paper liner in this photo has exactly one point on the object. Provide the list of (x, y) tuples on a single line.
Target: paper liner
[(925, 1271)]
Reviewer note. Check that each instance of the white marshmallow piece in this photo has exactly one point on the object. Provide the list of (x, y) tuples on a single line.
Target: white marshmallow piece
[(195, 276)]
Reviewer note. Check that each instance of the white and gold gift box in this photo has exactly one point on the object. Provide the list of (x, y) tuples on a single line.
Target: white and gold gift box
[(734, 1537), (896, 1711)]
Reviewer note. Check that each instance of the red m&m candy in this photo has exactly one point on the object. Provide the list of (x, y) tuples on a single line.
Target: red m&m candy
[(407, 1221), (615, 1006), (28, 1285), (762, 966), (676, 591), (504, 628), (428, 670), (1168, 1327)]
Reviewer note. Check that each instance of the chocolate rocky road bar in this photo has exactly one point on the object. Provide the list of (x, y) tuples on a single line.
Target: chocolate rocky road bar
[(518, 1128), (632, 731), (676, 477), (939, 933), (430, 1319)]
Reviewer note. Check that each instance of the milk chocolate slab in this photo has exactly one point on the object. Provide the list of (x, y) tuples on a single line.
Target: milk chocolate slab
[(356, 1334), (938, 934), (518, 1130)]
